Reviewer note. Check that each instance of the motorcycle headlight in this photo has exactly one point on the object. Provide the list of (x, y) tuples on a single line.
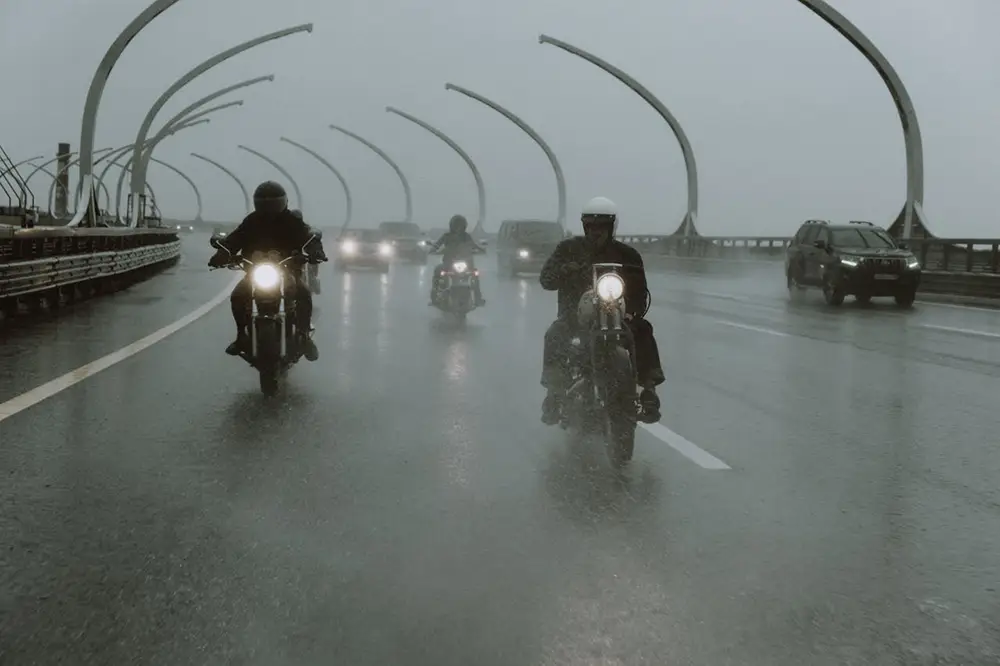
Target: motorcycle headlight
[(385, 249), (912, 262), (610, 287), (460, 266), (265, 276), (523, 254), (348, 247)]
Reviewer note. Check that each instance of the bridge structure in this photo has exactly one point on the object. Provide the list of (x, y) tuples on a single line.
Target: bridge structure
[(821, 487)]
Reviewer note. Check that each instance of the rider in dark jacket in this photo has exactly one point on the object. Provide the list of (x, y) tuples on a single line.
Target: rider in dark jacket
[(568, 271), (458, 244), (270, 227)]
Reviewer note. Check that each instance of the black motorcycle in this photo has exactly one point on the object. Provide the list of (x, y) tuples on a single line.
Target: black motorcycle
[(274, 335), (603, 396), (455, 293)]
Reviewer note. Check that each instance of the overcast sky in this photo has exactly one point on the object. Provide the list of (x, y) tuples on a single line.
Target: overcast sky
[(788, 121)]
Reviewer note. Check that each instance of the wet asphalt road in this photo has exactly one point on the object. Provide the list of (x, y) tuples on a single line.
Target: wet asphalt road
[(401, 503)]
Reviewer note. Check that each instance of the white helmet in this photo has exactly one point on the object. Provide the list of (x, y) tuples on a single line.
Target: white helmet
[(602, 207)]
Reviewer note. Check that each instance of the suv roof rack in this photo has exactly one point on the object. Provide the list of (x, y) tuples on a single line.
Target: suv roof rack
[(817, 222), (862, 222)]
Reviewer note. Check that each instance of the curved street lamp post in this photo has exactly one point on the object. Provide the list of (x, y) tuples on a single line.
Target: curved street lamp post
[(93, 102), (388, 160), (560, 180), (283, 171), (913, 208), (135, 185), (243, 189), (151, 144), (687, 227), (480, 188), (343, 182)]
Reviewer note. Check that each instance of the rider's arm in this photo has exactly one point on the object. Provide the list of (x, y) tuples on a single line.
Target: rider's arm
[(441, 241), (552, 274), (635, 284), (235, 241)]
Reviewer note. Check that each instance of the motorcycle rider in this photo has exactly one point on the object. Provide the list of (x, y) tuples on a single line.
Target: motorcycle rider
[(271, 226), (568, 271), (458, 244)]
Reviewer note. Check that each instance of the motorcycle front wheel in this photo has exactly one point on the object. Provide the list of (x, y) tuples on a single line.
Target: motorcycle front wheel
[(620, 398)]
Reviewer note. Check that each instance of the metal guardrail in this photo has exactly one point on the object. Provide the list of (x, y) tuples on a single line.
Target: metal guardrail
[(22, 278), (43, 259), (967, 267), (949, 255)]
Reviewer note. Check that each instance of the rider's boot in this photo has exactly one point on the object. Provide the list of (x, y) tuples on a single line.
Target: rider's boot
[(650, 403), (308, 347), (240, 344)]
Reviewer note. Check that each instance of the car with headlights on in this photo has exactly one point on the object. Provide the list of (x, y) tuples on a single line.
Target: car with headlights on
[(407, 240), (522, 246), (857, 259), (363, 248)]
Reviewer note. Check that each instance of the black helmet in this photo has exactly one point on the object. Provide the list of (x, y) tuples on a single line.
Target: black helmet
[(458, 223), (270, 197)]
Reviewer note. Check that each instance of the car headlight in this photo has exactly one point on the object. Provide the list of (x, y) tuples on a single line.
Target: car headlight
[(610, 287), (460, 266), (523, 254), (852, 262), (265, 276), (385, 249), (349, 247), (912, 262)]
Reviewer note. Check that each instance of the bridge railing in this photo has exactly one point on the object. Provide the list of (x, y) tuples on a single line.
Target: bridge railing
[(53, 263), (948, 255)]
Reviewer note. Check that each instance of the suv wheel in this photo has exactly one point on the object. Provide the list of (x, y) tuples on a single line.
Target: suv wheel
[(833, 294), (906, 297)]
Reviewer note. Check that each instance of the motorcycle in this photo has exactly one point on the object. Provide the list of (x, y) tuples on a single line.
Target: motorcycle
[(602, 395), (274, 335), (455, 293)]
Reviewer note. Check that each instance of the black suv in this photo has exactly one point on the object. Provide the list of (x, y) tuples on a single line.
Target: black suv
[(858, 259)]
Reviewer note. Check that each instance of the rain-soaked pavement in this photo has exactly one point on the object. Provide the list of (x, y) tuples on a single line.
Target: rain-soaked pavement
[(403, 504)]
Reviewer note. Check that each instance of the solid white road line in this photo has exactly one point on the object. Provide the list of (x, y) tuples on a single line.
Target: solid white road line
[(48, 389), (752, 328), (962, 331), (693, 452)]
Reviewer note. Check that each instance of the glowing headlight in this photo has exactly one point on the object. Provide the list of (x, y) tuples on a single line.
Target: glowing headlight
[(265, 276), (610, 287), (849, 261), (524, 254), (385, 249), (460, 266), (348, 247), (912, 263)]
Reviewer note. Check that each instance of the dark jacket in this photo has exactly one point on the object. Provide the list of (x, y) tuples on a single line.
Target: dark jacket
[(571, 287), (263, 232), (457, 245)]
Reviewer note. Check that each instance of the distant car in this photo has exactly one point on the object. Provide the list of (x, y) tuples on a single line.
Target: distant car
[(363, 248), (858, 259), (523, 245), (186, 228), (407, 240)]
